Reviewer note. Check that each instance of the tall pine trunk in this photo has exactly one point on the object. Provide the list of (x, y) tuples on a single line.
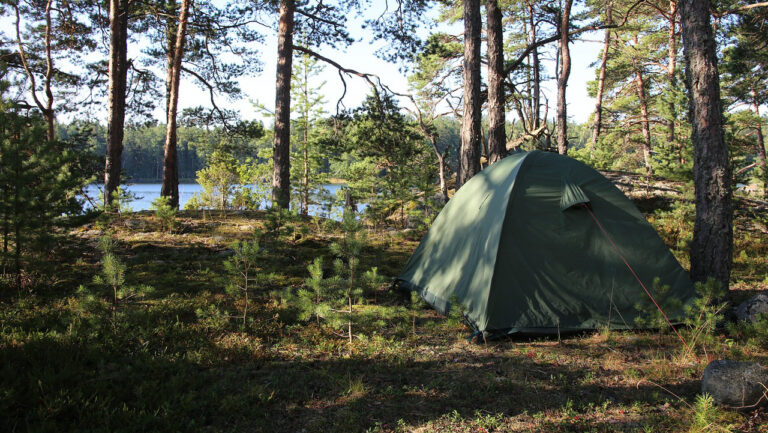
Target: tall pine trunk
[(672, 80), (281, 178), (497, 136), (536, 70), (562, 79), (118, 73), (48, 113), (712, 246), (645, 122), (305, 139), (441, 167), (170, 186), (760, 143), (469, 160), (598, 122)]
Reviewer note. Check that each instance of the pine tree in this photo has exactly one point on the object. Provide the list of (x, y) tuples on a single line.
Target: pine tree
[(308, 101), (243, 272)]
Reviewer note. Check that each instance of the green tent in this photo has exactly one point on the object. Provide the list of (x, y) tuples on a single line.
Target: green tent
[(536, 244)]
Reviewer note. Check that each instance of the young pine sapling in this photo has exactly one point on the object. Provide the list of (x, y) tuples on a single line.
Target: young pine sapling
[(348, 249), (242, 269), (165, 213), (112, 275)]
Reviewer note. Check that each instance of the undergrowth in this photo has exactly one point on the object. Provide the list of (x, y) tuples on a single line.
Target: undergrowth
[(180, 358)]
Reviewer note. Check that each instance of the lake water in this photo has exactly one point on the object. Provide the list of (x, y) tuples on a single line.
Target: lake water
[(145, 193)]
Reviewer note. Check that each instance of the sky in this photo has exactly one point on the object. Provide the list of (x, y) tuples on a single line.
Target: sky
[(360, 56)]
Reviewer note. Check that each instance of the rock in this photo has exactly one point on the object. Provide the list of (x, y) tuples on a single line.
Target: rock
[(134, 224), (439, 200), (226, 253), (753, 307), (218, 239), (734, 383), (412, 222)]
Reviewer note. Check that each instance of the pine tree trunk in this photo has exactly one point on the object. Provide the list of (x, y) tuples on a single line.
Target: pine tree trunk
[(50, 118), (245, 309), (305, 201), (497, 136), (644, 120), (118, 71), (281, 180), (598, 122), (441, 168), (170, 186), (305, 177), (536, 70), (760, 143), (469, 160), (562, 79), (672, 80), (712, 246)]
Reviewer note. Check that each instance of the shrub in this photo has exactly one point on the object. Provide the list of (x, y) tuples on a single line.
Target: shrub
[(165, 213)]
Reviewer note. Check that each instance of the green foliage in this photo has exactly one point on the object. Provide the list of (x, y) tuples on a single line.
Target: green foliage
[(39, 183), (309, 300), (121, 202), (308, 131), (754, 334), (230, 184), (707, 417), (165, 213), (456, 312), (649, 315), (703, 315), (371, 281), (212, 318), (112, 275), (386, 159), (241, 268), (676, 224), (279, 224), (332, 299)]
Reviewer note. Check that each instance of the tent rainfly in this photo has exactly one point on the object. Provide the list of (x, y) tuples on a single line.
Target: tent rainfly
[(540, 243)]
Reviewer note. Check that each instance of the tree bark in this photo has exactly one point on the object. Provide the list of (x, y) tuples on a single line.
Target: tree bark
[(47, 108), (118, 72), (672, 80), (598, 122), (170, 186), (712, 246), (441, 167), (305, 138), (760, 143), (645, 121), (536, 70), (469, 160), (497, 136), (281, 152), (562, 79)]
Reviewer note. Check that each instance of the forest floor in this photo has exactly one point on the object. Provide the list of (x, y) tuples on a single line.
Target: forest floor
[(171, 362)]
